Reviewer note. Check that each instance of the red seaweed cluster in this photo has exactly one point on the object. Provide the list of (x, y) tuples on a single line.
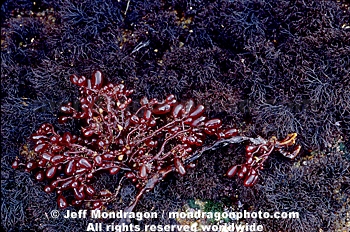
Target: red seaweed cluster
[(257, 154), (146, 145)]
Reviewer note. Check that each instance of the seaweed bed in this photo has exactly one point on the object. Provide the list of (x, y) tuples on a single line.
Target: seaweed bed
[(268, 67)]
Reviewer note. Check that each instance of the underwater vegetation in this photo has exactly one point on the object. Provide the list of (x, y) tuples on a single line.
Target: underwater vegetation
[(267, 68)]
